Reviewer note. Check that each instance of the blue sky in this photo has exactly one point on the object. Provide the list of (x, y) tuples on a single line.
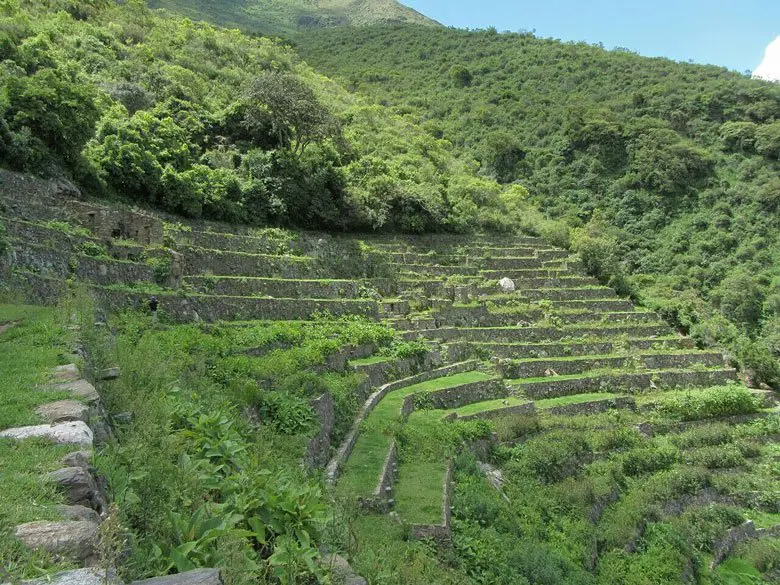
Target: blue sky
[(731, 33)]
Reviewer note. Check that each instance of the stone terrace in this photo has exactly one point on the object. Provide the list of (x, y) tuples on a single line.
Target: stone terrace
[(549, 331)]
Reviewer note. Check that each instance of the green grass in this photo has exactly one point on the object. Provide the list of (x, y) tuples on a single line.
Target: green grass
[(418, 493), (575, 399), (490, 405), (28, 352)]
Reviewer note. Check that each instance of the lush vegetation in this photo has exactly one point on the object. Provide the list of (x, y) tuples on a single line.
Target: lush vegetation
[(212, 123), (666, 174), (280, 17)]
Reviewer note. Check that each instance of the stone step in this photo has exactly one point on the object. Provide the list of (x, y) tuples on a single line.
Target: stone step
[(67, 433), (566, 349), (621, 382), (274, 287), (541, 367)]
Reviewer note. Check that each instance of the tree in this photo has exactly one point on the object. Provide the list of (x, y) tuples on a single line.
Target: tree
[(297, 117)]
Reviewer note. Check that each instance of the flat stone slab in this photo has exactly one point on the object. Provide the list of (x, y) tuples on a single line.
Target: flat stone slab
[(66, 373), (110, 374), (64, 411), (76, 577), (70, 433), (71, 539), (78, 389), (196, 577)]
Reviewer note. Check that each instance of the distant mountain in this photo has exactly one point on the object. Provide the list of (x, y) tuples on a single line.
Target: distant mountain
[(287, 17)]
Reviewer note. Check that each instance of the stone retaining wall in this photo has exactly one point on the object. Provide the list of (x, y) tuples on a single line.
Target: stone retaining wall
[(537, 369), (318, 449), (237, 243), (553, 350), (567, 294), (381, 500), (625, 382), (104, 272), (199, 261), (274, 287), (441, 534), (524, 409), (179, 308), (464, 394), (593, 406), (736, 536), (537, 334)]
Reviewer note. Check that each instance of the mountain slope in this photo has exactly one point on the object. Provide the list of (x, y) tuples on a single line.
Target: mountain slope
[(668, 170), (286, 17)]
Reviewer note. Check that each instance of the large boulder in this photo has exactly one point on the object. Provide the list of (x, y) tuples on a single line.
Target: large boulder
[(67, 539), (69, 433), (507, 285)]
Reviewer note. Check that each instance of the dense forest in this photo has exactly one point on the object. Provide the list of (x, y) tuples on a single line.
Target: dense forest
[(667, 173), (211, 123)]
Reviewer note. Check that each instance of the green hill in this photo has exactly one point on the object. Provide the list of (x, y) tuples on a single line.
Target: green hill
[(667, 171), (286, 17)]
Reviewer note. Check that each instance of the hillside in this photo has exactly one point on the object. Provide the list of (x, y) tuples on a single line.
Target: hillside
[(673, 166), (287, 17), (381, 397)]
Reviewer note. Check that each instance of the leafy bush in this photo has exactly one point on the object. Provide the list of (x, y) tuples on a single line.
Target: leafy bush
[(648, 460)]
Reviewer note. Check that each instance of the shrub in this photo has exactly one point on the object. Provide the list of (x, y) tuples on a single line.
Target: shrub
[(717, 457), (758, 361), (552, 456), (648, 460), (710, 403)]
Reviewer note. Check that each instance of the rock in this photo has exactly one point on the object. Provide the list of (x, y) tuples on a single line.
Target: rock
[(78, 513), (109, 374), (78, 389), (75, 577), (123, 418), (507, 285), (341, 570), (69, 539), (77, 459), (66, 373), (80, 487), (70, 433), (64, 411), (196, 577)]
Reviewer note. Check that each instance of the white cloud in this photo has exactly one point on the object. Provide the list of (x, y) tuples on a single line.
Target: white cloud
[(770, 66)]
